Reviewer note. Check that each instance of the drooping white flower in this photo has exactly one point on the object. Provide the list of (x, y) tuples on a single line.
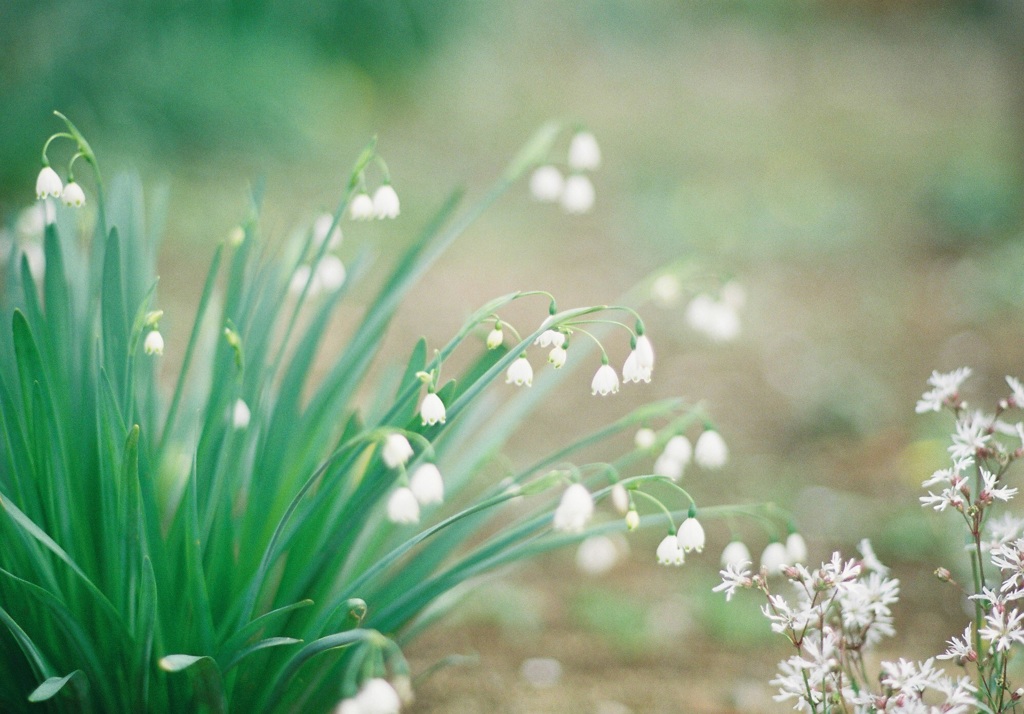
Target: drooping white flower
[(330, 273), (605, 381), (299, 280), (385, 202), (691, 535), (361, 208), (668, 467), (240, 414), (403, 506), (427, 485), (710, 451), (520, 373), (578, 194), (632, 371), (584, 153), (774, 557), (396, 451), (679, 448), (644, 352), (669, 552), (620, 498), (666, 290), (550, 338), (546, 184), (154, 343), (597, 555), (716, 319), (432, 410), (495, 338), (377, 696), (796, 549), (632, 519), (73, 195), (736, 553), (557, 357), (644, 438), (945, 388), (321, 227), (574, 510), (48, 183)]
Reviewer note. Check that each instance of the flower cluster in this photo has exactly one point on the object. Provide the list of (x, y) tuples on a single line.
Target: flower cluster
[(574, 190), (424, 488), (844, 609)]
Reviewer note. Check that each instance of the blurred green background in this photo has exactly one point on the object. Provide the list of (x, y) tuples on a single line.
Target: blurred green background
[(855, 164)]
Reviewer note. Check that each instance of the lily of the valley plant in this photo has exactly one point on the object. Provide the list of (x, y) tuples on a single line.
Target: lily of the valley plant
[(215, 540)]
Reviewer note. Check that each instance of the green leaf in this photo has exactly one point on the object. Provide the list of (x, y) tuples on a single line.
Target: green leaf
[(35, 658), (52, 686), (256, 647), (205, 676), (261, 622)]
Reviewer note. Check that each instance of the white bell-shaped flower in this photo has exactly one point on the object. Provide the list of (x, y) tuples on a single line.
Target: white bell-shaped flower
[(427, 485), (632, 371), (495, 338), (578, 195), (240, 414), (397, 451), (550, 338), (574, 510), (796, 549), (361, 208), (710, 451), (605, 381), (644, 438), (668, 467), (584, 153), (385, 202), (321, 227), (432, 410), (557, 357), (620, 498), (403, 506), (736, 553), (774, 558), (154, 343), (520, 373), (669, 552), (644, 353), (330, 273), (48, 183), (679, 448), (632, 519), (377, 696), (546, 184), (73, 195), (691, 535)]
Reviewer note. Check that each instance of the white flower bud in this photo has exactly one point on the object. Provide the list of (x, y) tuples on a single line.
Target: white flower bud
[(321, 226), (736, 553), (774, 558), (620, 498), (495, 338), (678, 448), (796, 549), (644, 438)]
